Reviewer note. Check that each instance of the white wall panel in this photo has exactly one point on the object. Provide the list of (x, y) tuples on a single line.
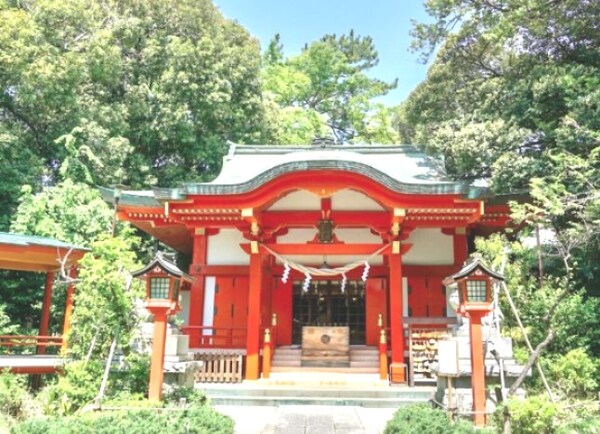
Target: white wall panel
[(224, 248), (209, 303), (357, 235), (297, 235), (296, 201), (430, 247), (351, 200)]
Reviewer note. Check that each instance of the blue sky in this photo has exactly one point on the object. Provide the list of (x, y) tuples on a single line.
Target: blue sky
[(386, 21)]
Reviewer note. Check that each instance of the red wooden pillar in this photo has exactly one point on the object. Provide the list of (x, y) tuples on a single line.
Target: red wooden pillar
[(461, 249), (45, 320), (157, 359), (477, 367), (254, 314), (68, 309), (396, 314), (196, 311)]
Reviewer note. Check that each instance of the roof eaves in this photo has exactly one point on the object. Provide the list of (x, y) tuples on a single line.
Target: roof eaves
[(441, 187), (27, 240)]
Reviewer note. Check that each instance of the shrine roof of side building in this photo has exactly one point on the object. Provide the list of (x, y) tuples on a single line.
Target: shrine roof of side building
[(401, 168), (23, 240)]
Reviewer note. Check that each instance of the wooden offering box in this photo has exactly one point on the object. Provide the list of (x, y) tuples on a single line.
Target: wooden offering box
[(326, 346)]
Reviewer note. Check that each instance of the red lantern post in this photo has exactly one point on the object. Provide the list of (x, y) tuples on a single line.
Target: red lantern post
[(163, 281), (475, 291)]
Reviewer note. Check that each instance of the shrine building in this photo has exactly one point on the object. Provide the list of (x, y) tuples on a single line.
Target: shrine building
[(301, 240)]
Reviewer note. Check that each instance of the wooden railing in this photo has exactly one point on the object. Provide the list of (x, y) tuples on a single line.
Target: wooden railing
[(215, 337), (219, 368), (19, 344)]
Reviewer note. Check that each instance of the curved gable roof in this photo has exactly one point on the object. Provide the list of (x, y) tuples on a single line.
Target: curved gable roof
[(400, 168)]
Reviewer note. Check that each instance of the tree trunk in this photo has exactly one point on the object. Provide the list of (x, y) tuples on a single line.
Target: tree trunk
[(532, 359)]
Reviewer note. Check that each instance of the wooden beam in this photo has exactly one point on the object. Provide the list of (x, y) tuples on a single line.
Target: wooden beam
[(219, 270), (320, 249), (276, 219)]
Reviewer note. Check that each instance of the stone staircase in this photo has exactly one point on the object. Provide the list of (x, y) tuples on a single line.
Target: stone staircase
[(317, 388), (293, 384), (362, 359)]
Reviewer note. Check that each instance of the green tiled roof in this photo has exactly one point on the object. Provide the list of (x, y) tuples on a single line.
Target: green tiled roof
[(402, 168), (28, 240)]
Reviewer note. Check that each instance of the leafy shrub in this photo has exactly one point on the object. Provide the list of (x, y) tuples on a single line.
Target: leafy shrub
[(191, 395), (534, 415), (15, 400), (422, 418), (574, 373), (77, 387), (130, 400), (5, 324), (195, 420), (588, 425), (134, 379)]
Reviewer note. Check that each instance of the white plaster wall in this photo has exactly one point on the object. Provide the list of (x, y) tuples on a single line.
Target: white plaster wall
[(302, 235), (430, 247), (209, 303), (184, 314), (351, 200), (297, 235), (296, 201), (224, 248), (357, 236)]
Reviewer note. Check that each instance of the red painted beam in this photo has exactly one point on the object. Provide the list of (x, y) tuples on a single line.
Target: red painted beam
[(321, 249), (275, 219)]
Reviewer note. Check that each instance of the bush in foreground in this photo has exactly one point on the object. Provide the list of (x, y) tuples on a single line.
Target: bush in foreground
[(421, 418), (194, 420)]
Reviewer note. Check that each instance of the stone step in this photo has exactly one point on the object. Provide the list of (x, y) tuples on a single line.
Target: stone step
[(364, 357), (285, 363), (270, 392), (286, 356), (341, 363), (279, 401), (364, 364)]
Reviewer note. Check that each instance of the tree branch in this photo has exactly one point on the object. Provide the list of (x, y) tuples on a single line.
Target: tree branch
[(532, 360)]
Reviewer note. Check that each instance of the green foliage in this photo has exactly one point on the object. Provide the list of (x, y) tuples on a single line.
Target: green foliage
[(106, 298), (421, 418), (190, 394), (70, 212), (326, 89), (5, 325), (133, 379), (77, 387), (575, 374), (534, 415), (13, 395), (588, 424), (105, 93), (575, 319), (196, 419), (530, 93)]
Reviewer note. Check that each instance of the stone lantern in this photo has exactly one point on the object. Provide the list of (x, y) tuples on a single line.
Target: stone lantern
[(163, 282), (474, 283)]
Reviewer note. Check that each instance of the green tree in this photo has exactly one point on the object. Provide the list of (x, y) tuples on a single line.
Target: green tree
[(328, 80), (106, 298), (137, 92)]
